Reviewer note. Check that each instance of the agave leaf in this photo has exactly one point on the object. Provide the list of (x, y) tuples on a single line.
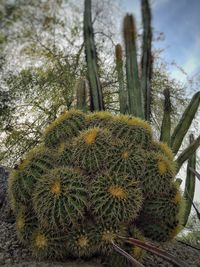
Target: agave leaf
[(196, 173), (194, 206), (189, 185), (185, 122), (155, 250), (128, 256), (178, 181), (187, 153)]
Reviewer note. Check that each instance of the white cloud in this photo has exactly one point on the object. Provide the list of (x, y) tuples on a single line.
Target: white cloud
[(190, 64), (158, 3), (178, 75)]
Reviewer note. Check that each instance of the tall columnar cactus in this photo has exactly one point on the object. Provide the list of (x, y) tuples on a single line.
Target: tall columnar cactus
[(135, 94), (165, 134), (96, 94), (189, 184), (147, 58), (81, 95), (96, 178), (120, 73)]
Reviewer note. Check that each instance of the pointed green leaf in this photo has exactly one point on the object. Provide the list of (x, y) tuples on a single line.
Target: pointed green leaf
[(187, 153), (185, 122), (189, 185)]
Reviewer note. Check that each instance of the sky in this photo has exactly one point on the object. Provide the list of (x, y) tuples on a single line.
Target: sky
[(179, 20)]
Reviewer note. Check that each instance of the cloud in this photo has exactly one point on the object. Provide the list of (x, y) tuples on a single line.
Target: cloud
[(192, 62), (156, 4), (189, 61)]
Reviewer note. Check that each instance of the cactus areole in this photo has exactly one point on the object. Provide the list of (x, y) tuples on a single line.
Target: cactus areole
[(95, 177)]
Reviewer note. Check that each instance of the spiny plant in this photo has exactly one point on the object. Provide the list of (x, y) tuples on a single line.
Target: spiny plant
[(135, 93), (81, 190)]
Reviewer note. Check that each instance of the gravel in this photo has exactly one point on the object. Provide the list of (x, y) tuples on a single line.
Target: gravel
[(3, 184), (12, 253)]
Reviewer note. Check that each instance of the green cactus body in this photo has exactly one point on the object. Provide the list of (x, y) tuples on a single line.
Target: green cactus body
[(91, 148), (106, 233), (60, 197), (127, 159), (96, 93), (64, 155), (135, 94), (161, 232), (165, 134), (96, 177), (117, 260), (63, 128), (133, 130), (49, 245), (158, 175), (147, 58), (82, 241), (38, 162), (99, 119), (111, 193), (161, 209), (160, 147), (26, 223), (81, 95), (120, 75)]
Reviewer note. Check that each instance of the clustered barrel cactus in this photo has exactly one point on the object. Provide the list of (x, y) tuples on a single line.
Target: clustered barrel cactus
[(96, 176)]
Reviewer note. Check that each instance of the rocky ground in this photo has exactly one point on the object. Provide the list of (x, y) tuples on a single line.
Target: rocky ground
[(12, 253)]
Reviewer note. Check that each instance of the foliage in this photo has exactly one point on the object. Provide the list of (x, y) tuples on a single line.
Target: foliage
[(70, 197), (47, 48)]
